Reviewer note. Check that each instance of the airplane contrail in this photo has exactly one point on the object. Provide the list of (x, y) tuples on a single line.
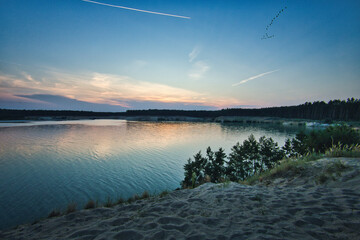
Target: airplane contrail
[(138, 10), (254, 77)]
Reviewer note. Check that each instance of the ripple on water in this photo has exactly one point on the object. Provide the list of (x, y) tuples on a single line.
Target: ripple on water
[(45, 165)]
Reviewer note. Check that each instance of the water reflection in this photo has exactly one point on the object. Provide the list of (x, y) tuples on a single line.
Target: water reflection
[(46, 165)]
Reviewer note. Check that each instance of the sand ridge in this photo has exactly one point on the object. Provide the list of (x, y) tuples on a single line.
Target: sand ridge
[(293, 207)]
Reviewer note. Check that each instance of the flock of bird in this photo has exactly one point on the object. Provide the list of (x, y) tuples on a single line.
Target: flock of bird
[(266, 35)]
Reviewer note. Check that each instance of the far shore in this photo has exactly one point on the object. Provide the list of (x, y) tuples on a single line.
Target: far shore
[(221, 119)]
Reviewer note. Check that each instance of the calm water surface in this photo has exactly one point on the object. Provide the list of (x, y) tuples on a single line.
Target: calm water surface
[(46, 165)]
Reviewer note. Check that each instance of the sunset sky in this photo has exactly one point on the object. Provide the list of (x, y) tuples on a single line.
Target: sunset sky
[(113, 55)]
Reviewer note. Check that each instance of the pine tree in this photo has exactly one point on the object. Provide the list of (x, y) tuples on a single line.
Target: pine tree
[(218, 172), (270, 153)]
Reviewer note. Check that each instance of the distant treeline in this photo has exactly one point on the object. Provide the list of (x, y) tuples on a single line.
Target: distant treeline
[(334, 110), (7, 114)]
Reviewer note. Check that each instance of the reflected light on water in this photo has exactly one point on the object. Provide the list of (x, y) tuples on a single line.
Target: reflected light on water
[(46, 165)]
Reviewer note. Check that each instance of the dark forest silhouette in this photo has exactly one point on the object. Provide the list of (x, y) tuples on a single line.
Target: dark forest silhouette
[(334, 110), (253, 157)]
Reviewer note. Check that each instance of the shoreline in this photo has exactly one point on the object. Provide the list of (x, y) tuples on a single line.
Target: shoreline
[(288, 207), (222, 119)]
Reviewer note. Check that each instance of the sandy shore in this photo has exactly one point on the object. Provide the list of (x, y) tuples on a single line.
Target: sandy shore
[(291, 207)]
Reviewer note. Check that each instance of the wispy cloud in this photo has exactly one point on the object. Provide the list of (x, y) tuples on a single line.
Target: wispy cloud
[(138, 10), (98, 88), (110, 89), (194, 53), (198, 70), (254, 77)]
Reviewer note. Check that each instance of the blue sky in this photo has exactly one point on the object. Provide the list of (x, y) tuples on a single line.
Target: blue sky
[(78, 55)]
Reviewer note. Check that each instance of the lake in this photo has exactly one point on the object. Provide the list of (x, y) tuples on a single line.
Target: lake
[(46, 165)]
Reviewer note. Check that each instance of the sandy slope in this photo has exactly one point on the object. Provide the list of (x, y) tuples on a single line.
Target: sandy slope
[(294, 207)]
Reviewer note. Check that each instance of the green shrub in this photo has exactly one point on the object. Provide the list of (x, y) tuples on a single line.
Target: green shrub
[(320, 141), (238, 167), (253, 158), (211, 165), (269, 152)]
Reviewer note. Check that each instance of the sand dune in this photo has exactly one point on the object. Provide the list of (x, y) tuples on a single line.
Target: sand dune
[(291, 207)]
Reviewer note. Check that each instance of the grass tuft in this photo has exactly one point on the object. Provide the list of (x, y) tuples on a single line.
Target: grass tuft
[(54, 213), (145, 195), (286, 167), (336, 168), (136, 197), (331, 171), (90, 204), (120, 200), (343, 151), (71, 207), (130, 200), (224, 184), (322, 178), (108, 202), (163, 193)]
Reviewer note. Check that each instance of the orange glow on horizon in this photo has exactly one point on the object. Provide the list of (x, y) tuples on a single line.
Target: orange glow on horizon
[(108, 89)]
